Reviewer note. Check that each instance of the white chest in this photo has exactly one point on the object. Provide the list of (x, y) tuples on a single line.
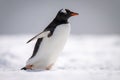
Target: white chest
[(57, 41), (61, 32), (54, 44)]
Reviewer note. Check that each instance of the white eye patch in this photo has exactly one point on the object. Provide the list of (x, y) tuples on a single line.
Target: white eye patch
[(64, 11)]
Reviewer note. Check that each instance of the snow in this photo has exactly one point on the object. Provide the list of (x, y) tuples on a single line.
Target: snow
[(85, 57)]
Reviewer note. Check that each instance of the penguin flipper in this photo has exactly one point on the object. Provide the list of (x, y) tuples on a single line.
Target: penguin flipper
[(40, 35)]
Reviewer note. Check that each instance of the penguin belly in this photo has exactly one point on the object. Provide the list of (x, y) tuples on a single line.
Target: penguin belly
[(50, 48)]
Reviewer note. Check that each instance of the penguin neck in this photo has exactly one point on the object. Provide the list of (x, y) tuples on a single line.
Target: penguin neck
[(57, 21), (54, 24)]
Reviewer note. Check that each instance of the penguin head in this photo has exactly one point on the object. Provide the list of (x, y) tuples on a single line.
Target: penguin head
[(64, 15)]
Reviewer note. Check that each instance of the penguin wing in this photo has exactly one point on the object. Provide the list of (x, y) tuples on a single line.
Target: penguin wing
[(40, 35)]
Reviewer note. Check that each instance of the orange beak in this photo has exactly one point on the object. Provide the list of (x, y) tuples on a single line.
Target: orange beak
[(74, 14)]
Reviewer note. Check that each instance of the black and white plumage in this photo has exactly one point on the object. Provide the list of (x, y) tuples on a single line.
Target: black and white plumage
[(50, 42)]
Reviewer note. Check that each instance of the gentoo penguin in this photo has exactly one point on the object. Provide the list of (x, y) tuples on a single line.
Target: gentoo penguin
[(50, 42)]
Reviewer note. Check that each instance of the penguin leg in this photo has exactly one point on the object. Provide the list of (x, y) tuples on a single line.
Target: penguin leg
[(27, 67), (49, 67)]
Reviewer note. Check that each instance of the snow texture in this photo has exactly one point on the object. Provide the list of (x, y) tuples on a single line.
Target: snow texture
[(85, 57)]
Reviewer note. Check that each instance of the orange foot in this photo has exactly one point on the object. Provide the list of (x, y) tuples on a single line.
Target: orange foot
[(49, 67), (29, 66)]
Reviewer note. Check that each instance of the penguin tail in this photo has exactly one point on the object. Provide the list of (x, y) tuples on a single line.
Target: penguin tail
[(24, 68)]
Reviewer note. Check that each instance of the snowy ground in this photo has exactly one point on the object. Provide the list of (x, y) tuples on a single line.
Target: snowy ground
[(85, 57)]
